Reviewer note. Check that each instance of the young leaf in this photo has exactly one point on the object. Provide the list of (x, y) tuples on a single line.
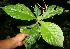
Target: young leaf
[(51, 11), (33, 35), (52, 33), (19, 11), (37, 11)]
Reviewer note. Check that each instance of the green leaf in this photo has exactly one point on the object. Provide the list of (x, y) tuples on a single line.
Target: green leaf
[(52, 33), (33, 35), (19, 11), (51, 11), (37, 11), (59, 10), (23, 29)]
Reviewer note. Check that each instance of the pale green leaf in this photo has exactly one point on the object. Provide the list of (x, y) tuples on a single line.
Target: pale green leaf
[(19, 11), (51, 11), (59, 10), (52, 33), (37, 11)]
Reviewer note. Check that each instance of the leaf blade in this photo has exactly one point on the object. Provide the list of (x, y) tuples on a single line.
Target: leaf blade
[(37, 11), (19, 11), (31, 39), (51, 11), (52, 33)]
